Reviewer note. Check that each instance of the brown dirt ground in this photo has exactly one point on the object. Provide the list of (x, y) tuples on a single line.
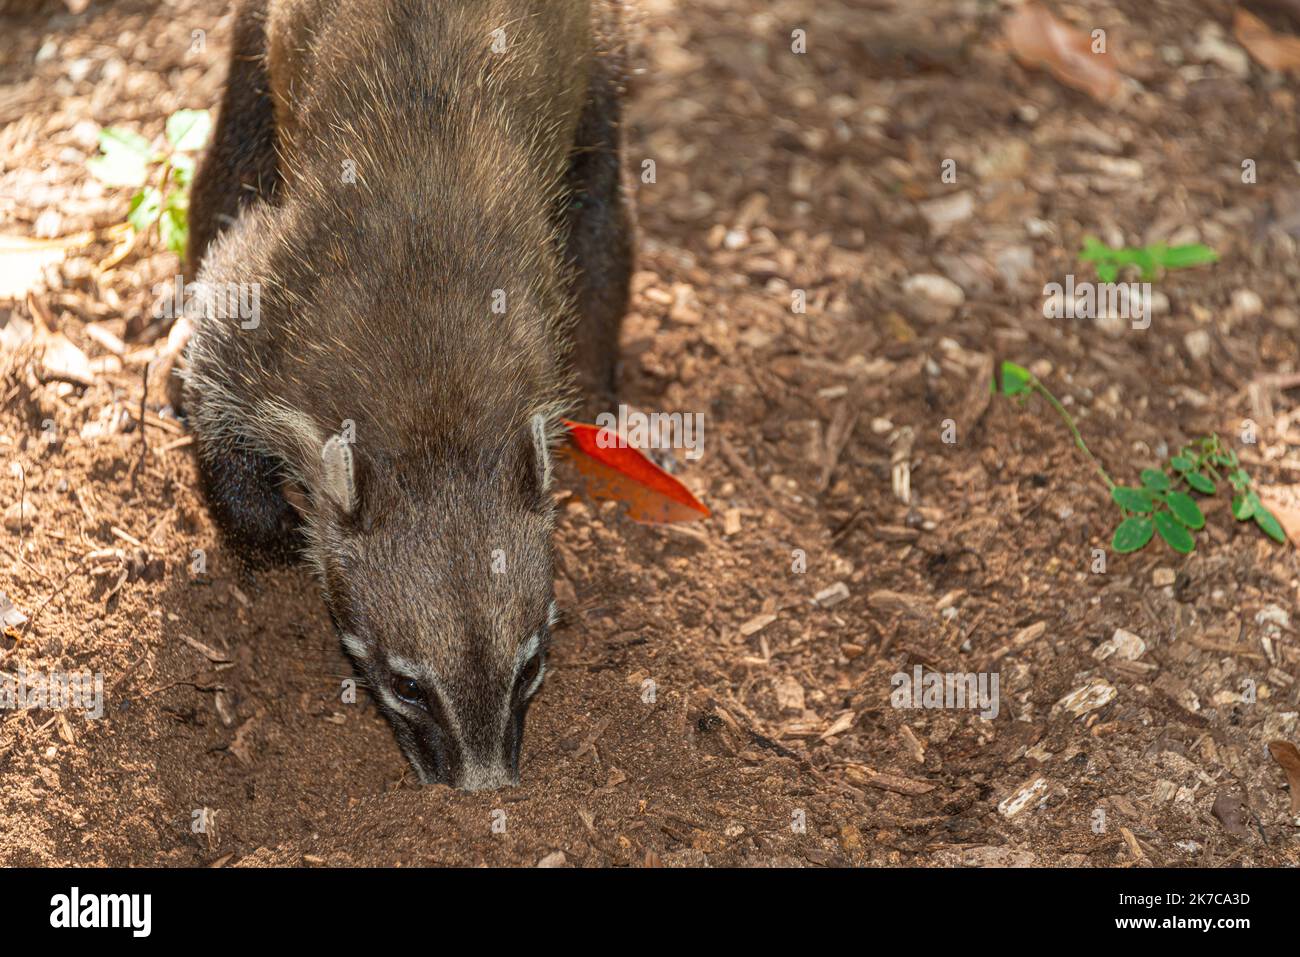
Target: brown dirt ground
[(776, 172)]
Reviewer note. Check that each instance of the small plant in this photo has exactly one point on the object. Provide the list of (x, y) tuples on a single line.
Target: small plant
[(1150, 259), (1163, 504), (162, 197)]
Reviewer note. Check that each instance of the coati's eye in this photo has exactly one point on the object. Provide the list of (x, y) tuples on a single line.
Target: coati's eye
[(528, 674), (408, 689)]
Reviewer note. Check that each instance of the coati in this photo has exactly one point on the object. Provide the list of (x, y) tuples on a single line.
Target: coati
[(428, 195)]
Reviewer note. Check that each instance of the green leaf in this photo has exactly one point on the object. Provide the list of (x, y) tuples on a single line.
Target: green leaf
[(1015, 379), (1132, 534), (1175, 535), (1146, 260), (1155, 480), (1185, 509), (146, 204), (1107, 272), (182, 165), (1094, 249), (1243, 507), (1132, 499), (173, 229), (1193, 254), (123, 158), (1199, 482), (188, 129), (1181, 463), (1269, 523), (115, 139)]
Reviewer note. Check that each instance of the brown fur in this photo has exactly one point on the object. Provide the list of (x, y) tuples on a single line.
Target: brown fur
[(475, 171)]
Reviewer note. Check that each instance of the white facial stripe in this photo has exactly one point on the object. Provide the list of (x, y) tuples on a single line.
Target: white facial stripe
[(526, 653), (537, 681), (391, 699), (401, 666), (355, 646), (409, 669)]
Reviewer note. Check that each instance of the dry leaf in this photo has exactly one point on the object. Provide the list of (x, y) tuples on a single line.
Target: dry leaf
[(624, 474), (1230, 811), (1040, 40), (1285, 754), (1272, 50)]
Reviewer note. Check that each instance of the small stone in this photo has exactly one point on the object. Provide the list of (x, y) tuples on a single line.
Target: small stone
[(20, 514), (1246, 304), (1197, 343), (1163, 576), (1123, 645), (947, 211), (1211, 47), (1285, 318), (932, 297), (731, 521), (554, 859), (1015, 263), (1273, 615), (79, 69), (833, 595)]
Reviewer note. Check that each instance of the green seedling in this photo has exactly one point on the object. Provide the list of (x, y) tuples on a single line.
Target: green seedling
[(1151, 260), (1163, 504), (162, 179)]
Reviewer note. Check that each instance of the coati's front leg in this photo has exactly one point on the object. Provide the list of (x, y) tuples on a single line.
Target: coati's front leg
[(599, 236), (242, 487)]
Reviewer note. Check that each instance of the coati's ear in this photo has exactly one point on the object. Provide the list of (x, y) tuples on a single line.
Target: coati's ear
[(541, 452), (338, 478)]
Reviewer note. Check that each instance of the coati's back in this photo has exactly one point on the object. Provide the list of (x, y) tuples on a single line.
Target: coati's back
[(419, 171), (422, 191)]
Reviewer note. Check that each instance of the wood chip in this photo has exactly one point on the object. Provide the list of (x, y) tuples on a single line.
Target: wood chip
[(207, 651), (756, 624), (843, 721), (868, 777)]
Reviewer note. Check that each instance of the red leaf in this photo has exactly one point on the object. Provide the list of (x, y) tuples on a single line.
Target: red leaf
[(624, 474)]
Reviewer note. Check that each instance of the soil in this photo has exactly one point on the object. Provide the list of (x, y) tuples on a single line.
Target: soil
[(704, 706)]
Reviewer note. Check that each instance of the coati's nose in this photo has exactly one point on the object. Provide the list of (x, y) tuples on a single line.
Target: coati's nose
[(487, 777)]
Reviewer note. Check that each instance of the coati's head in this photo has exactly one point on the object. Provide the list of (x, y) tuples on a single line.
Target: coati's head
[(437, 572)]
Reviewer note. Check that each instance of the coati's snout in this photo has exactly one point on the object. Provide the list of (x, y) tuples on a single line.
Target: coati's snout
[(443, 598)]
